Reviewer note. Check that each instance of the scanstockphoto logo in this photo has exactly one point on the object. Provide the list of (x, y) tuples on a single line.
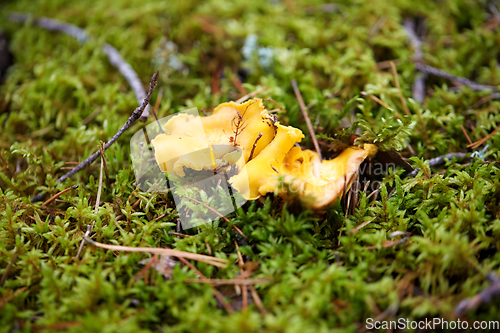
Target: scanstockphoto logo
[(195, 172)]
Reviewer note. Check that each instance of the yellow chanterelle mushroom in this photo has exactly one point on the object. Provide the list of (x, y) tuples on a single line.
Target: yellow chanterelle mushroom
[(251, 140)]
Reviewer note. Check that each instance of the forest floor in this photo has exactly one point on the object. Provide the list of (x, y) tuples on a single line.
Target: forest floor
[(416, 77)]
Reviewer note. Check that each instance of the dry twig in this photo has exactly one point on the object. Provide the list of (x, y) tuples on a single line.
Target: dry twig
[(250, 95), (254, 145), (178, 234), (103, 159), (242, 282), (306, 117), (98, 199), (466, 135), (214, 261), (401, 97), (476, 144), (419, 84), (362, 225), (257, 300), (379, 101), (54, 197), (462, 80), (131, 120), (437, 161)]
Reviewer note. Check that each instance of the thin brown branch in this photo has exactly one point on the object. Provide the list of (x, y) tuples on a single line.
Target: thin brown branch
[(218, 214), (242, 282), (214, 261), (86, 235), (113, 55), (306, 117), (483, 140), (257, 300), (466, 135), (462, 80), (131, 120), (96, 209), (173, 233), (162, 216), (254, 145), (99, 189), (134, 205), (401, 97), (54, 197), (103, 159), (362, 225), (250, 95), (387, 64), (379, 101)]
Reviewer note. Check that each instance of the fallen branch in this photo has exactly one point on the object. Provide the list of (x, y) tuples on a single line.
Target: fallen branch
[(131, 120), (97, 201), (462, 80), (250, 95), (113, 55), (419, 83), (418, 91), (218, 282), (476, 144), (178, 234), (437, 161), (484, 296), (214, 261)]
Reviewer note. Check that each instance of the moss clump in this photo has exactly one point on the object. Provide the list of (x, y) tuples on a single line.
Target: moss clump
[(61, 98)]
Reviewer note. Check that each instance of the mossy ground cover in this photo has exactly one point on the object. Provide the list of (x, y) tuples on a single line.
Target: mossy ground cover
[(61, 98)]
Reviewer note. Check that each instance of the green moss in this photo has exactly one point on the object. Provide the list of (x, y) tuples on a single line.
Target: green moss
[(61, 98)]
